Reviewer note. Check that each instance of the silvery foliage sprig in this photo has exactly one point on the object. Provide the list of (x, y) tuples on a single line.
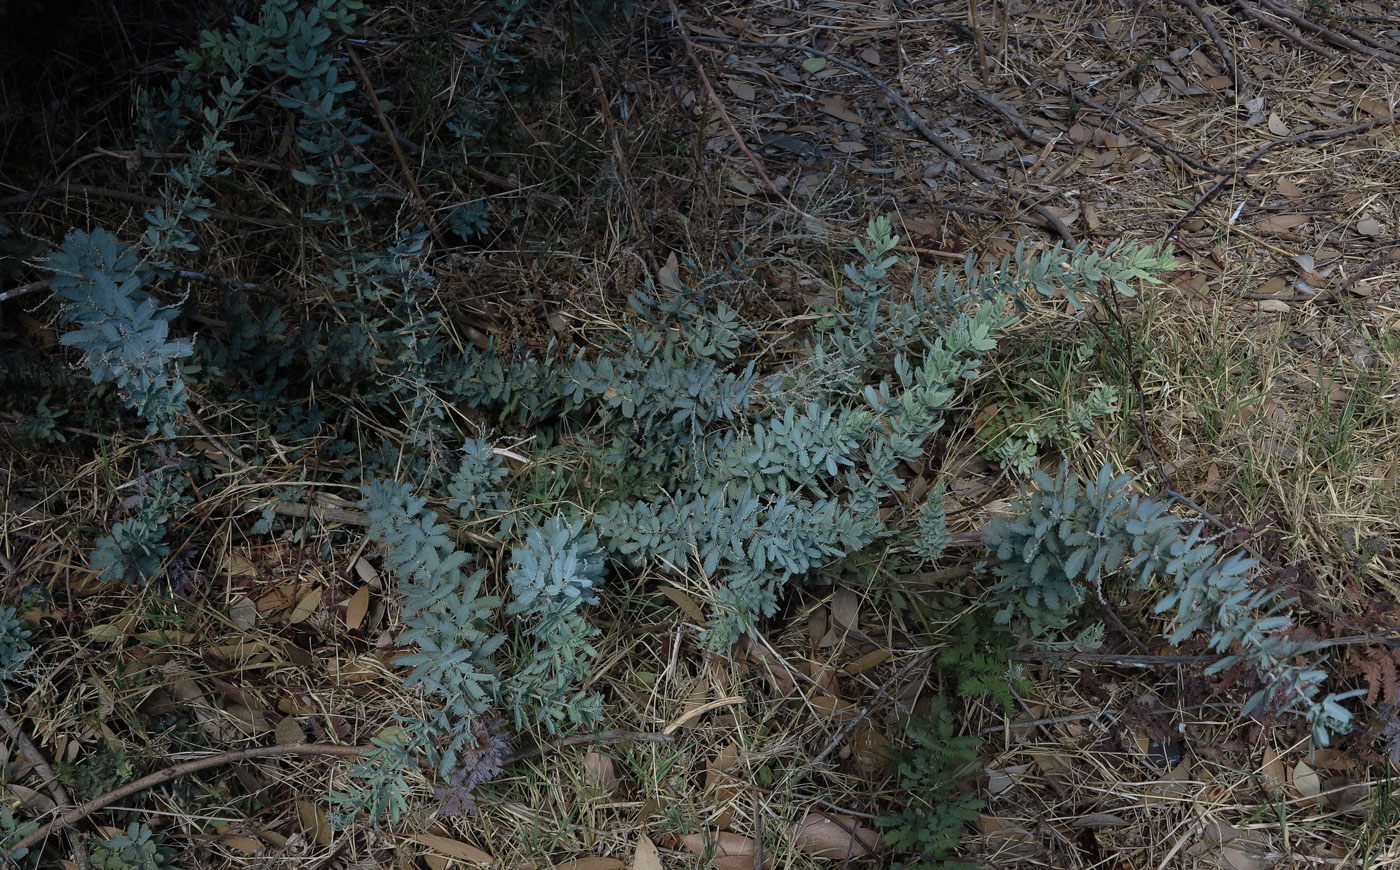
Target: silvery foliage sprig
[(1066, 539), (457, 639), (123, 333)]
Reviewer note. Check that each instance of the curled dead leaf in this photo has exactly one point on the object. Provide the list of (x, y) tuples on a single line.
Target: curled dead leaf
[(719, 844), (589, 864), (1272, 774), (357, 607), (599, 772), (1306, 782), (450, 848), (832, 835), (645, 856)]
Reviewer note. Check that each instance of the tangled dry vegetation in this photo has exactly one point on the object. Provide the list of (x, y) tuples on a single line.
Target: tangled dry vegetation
[(1256, 387)]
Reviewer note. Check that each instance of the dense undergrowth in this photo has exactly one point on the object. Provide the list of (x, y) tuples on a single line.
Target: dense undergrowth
[(519, 499)]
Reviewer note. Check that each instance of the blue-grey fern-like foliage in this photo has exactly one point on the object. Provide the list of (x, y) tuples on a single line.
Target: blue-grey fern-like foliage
[(473, 489), (702, 464), (444, 613), (1066, 539), (134, 550), (14, 646), (459, 638), (447, 622), (136, 848), (123, 333), (554, 575)]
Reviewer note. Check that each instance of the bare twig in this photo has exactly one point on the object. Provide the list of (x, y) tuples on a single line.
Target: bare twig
[(1153, 141), (24, 290), (729, 123), (1310, 137), (1231, 69), (614, 736), (1330, 35), (62, 802), (49, 190), (1049, 220), (623, 175), (1375, 265), (208, 762), (1293, 36), (875, 702), (77, 814)]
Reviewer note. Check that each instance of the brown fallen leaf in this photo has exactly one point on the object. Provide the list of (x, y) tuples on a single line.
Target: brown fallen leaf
[(779, 675), (668, 276), (1281, 222), (871, 749), (1272, 774), (831, 835), (646, 856), (720, 844), (246, 845), (451, 848), (866, 662), (837, 108), (357, 607), (679, 597), (599, 772), (1306, 782), (314, 822)]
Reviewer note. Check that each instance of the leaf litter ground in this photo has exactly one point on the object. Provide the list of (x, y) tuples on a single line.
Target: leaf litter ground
[(1260, 386)]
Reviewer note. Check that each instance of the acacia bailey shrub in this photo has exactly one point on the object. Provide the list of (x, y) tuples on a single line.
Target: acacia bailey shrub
[(660, 445)]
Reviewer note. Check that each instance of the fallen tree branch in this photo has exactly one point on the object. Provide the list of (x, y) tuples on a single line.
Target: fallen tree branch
[(1331, 36), (77, 814), (1257, 14), (729, 122), (208, 762), (1231, 69), (1049, 220), (1155, 142), (62, 802), (1310, 137)]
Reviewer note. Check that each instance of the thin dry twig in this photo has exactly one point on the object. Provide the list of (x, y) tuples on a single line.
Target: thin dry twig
[(871, 707), (623, 175), (208, 762), (62, 802), (77, 814), (1231, 69), (1330, 35), (729, 122), (1258, 15), (1153, 141), (612, 736), (1310, 137), (95, 191), (1049, 220), (384, 124)]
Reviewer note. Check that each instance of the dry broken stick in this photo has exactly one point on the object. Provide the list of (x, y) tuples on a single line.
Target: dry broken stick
[(1231, 69), (714, 99), (77, 814), (1153, 141), (62, 802), (208, 762), (1331, 36), (1257, 14), (1310, 137), (1049, 220)]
